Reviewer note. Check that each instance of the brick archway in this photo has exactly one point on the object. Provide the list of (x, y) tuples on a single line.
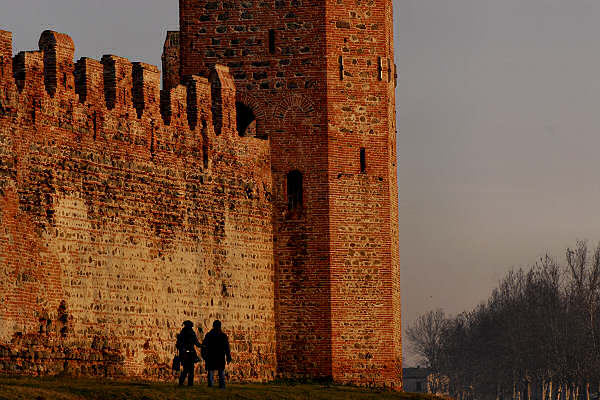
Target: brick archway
[(258, 109)]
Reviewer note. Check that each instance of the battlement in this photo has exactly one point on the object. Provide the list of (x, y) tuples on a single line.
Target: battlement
[(117, 85)]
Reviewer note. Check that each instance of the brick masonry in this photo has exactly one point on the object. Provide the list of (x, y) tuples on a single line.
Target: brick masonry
[(125, 209), (116, 225)]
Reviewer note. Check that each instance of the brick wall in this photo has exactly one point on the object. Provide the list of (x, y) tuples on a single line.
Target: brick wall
[(122, 214)]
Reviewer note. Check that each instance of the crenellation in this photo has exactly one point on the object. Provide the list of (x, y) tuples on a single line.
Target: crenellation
[(199, 101), (118, 83), (89, 82), (174, 106), (28, 70), (120, 87), (59, 51), (146, 92), (223, 100)]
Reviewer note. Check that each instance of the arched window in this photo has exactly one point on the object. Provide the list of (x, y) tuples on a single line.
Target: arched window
[(294, 193), (246, 120)]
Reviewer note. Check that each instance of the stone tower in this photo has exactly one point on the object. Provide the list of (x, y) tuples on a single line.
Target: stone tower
[(316, 78)]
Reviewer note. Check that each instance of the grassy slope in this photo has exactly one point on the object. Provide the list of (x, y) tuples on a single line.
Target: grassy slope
[(12, 388)]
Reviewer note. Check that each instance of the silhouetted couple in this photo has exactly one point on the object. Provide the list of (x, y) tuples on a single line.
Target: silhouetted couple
[(214, 351)]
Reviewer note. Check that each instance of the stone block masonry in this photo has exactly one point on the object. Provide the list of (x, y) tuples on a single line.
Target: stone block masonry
[(258, 187), (123, 214)]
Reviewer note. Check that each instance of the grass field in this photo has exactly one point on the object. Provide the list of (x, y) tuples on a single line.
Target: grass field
[(27, 388)]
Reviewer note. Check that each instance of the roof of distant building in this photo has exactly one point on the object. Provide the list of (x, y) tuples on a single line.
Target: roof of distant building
[(415, 373)]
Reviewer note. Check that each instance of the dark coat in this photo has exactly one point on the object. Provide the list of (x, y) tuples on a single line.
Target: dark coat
[(215, 349), (186, 340)]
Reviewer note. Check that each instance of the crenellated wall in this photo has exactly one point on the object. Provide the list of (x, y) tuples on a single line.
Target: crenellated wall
[(125, 210)]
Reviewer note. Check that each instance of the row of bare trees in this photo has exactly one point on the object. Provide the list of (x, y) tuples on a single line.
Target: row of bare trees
[(536, 337)]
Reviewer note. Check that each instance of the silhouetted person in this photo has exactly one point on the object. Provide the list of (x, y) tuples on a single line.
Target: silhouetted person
[(215, 351), (186, 340)]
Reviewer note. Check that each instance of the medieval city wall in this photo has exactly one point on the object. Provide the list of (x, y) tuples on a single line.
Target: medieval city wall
[(123, 213)]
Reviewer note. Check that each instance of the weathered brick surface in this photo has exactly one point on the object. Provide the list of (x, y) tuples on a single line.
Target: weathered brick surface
[(324, 89), (125, 210), (116, 226)]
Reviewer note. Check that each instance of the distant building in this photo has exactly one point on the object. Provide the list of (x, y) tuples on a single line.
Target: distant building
[(415, 379), (424, 380)]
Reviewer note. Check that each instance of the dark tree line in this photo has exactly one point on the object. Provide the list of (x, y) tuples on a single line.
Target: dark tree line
[(536, 337)]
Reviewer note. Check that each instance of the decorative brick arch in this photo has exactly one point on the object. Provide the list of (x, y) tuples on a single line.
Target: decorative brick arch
[(294, 102), (257, 108)]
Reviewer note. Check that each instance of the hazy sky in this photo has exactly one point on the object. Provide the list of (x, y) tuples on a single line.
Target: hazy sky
[(499, 116)]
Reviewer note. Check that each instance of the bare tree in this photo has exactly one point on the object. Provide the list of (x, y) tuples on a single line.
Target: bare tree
[(425, 336)]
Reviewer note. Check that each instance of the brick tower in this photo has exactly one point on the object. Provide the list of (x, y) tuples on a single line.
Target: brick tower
[(316, 78)]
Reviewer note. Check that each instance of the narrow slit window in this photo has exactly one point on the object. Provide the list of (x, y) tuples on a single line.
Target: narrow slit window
[(272, 41), (379, 69), (363, 160), (294, 193), (389, 67), (341, 61), (204, 144)]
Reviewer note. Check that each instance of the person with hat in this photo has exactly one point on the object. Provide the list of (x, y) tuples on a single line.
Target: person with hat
[(186, 340), (215, 351)]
